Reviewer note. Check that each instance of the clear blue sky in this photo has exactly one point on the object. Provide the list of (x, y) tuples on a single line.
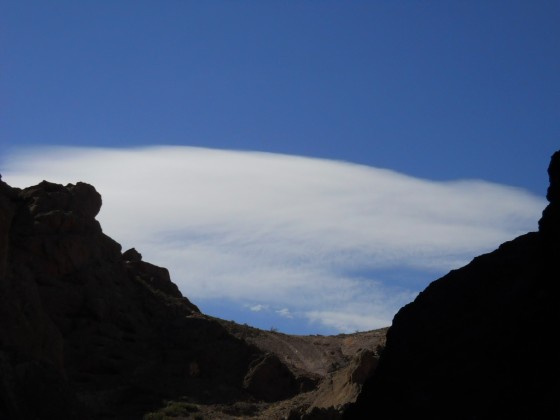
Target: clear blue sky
[(437, 90)]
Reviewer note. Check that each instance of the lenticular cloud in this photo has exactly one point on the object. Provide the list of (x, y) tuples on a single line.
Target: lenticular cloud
[(307, 239)]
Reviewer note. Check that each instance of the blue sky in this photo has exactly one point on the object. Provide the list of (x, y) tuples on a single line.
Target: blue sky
[(355, 149)]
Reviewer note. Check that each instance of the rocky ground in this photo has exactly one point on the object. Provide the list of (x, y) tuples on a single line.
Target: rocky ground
[(330, 371)]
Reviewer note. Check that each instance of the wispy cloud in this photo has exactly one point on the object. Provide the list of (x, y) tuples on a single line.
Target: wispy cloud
[(316, 236), (257, 308), (285, 312)]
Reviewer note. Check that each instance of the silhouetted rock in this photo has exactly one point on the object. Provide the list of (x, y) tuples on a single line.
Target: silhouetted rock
[(549, 225), (86, 332), (479, 343), (89, 332), (132, 255)]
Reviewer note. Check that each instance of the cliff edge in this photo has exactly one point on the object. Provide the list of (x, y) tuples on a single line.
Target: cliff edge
[(479, 343)]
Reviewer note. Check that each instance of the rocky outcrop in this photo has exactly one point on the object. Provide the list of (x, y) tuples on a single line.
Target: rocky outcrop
[(479, 343), (341, 388), (270, 380), (89, 332), (329, 371)]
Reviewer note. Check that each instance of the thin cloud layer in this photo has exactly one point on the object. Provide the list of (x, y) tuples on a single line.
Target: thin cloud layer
[(305, 239)]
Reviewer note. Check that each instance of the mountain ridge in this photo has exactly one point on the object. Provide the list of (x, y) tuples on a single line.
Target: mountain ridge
[(478, 343), (89, 331)]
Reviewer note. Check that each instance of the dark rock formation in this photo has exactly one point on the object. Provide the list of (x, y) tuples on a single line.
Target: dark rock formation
[(89, 332), (132, 255), (86, 332), (479, 343), (270, 380), (549, 225)]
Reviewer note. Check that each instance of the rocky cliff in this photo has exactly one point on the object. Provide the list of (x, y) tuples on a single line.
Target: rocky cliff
[(480, 342), (90, 332)]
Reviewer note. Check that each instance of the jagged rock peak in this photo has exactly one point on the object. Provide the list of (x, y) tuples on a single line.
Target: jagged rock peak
[(132, 255), (80, 198), (553, 193), (550, 221)]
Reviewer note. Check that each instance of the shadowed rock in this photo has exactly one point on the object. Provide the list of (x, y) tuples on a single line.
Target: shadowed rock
[(479, 343), (132, 255), (92, 333), (89, 332), (86, 332), (549, 225), (270, 380)]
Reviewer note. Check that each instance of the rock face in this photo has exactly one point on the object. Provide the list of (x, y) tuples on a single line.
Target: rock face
[(90, 332), (479, 343), (87, 332), (270, 380), (344, 386)]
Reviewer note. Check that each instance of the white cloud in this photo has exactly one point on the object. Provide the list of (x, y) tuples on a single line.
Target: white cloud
[(257, 308), (306, 233), (285, 313), (346, 321)]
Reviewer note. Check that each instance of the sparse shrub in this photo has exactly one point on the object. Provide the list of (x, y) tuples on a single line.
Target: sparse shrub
[(273, 329)]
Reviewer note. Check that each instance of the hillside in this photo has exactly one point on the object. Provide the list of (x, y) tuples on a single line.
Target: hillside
[(479, 343), (91, 332), (88, 331)]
